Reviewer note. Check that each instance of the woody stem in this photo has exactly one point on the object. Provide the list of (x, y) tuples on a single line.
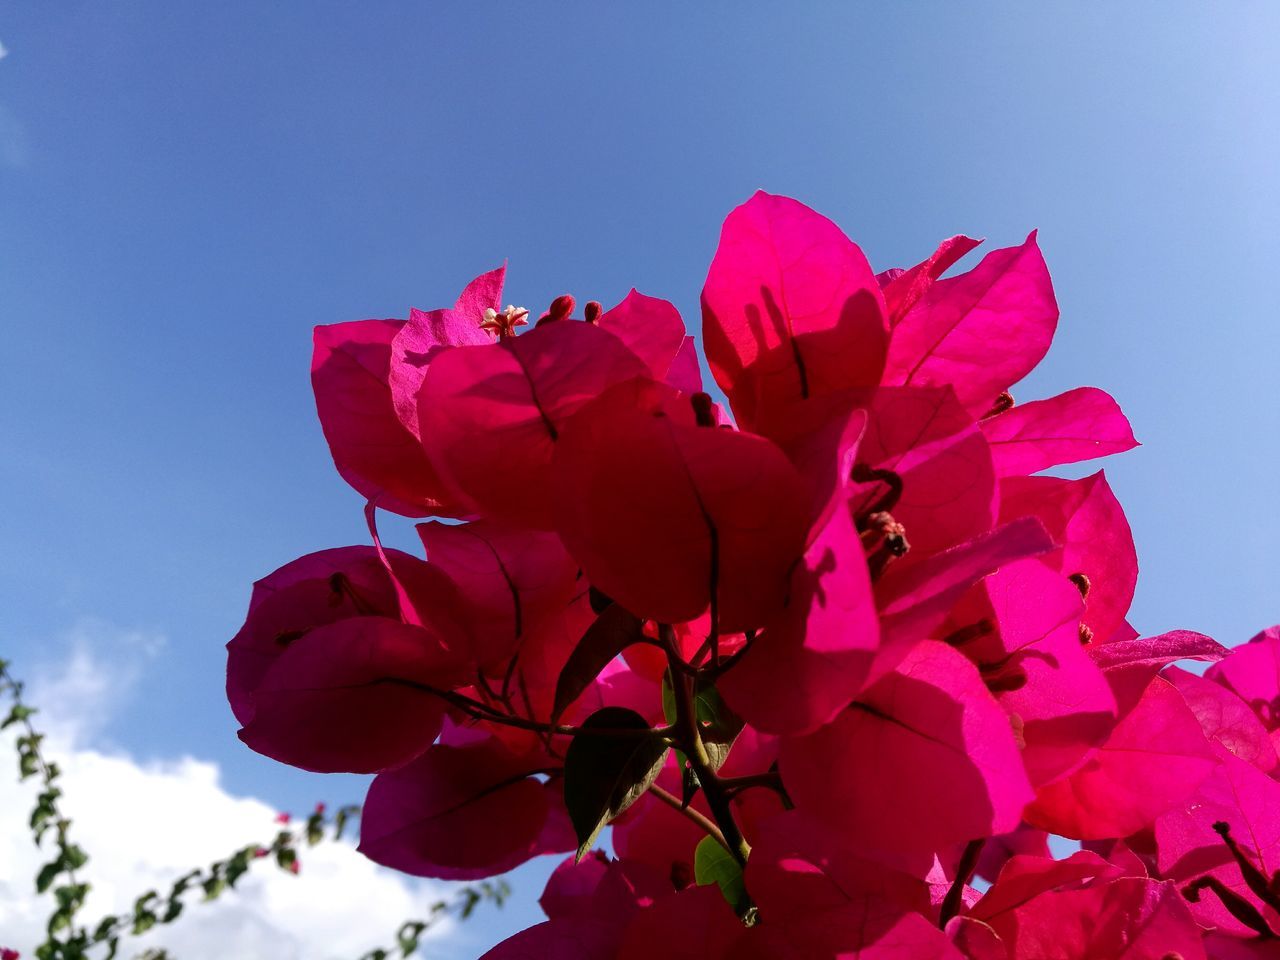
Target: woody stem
[(689, 739), (672, 801)]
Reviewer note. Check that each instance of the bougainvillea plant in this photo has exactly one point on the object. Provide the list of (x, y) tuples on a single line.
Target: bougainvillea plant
[(830, 661)]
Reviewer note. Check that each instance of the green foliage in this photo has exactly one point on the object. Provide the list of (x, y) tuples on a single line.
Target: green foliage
[(718, 726), (712, 863), (609, 634), (603, 775)]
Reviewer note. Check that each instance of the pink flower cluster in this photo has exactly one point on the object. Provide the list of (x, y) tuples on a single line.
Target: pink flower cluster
[(821, 663)]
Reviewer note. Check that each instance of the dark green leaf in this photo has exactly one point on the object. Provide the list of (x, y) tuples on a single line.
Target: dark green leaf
[(409, 936), (712, 863), (603, 775), (18, 713), (48, 873), (611, 633)]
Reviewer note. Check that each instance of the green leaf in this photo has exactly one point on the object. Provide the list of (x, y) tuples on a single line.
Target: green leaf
[(603, 775), (74, 857), (409, 935), (18, 713), (48, 873), (712, 863), (609, 634), (341, 818), (286, 857)]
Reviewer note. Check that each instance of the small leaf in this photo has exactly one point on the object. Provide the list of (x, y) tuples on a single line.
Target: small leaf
[(48, 873), (611, 633), (74, 857), (409, 935), (712, 863), (603, 775), (17, 714)]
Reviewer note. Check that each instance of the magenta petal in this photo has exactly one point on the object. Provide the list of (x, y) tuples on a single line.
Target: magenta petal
[(427, 332), (371, 448), (975, 940), (1000, 849), (664, 516), (904, 288), (1252, 672), (936, 449), (1248, 801), (458, 813), (1129, 665), (648, 327), (1154, 759), (1080, 424), (790, 308), (592, 928), (312, 591), (915, 601), (814, 657), (1130, 918), (1039, 671), (980, 332), (1092, 537), (1024, 877), (510, 581), (865, 929), (694, 924), (348, 697), (935, 744), (571, 885), (684, 373), (820, 437), (490, 415), (572, 938), (798, 868)]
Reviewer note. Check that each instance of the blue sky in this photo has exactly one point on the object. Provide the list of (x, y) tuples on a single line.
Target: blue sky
[(186, 189)]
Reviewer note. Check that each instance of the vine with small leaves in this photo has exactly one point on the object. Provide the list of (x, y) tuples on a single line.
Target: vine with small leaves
[(68, 938)]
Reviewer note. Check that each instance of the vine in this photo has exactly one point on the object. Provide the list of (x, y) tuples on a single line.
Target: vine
[(68, 937)]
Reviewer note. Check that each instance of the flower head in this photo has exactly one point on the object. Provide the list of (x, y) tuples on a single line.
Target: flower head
[(504, 323)]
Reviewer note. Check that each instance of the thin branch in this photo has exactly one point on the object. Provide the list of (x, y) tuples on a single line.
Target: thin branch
[(964, 873), (690, 741), (672, 801)]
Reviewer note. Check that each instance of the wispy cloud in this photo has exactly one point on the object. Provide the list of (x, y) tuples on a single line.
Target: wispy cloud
[(81, 692)]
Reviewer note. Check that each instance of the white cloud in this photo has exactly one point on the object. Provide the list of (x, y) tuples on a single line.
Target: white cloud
[(145, 824), (4, 52)]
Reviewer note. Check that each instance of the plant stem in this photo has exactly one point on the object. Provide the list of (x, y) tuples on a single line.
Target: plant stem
[(479, 710), (690, 741), (964, 873), (770, 779), (672, 801)]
